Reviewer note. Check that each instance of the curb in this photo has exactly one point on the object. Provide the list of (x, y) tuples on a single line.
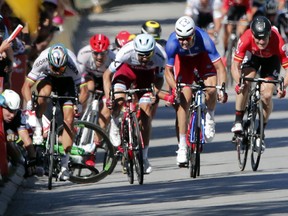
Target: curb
[(8, 190)]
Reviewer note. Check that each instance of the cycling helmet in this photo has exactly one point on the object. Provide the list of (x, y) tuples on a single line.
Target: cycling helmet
[(185, 26), (58, 56), (153, 28), (99, 43), (271, 7), (144, 43), (261, 27), (122, 38), (12, 99)]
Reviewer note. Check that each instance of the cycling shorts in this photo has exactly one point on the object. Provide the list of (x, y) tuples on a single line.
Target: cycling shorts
[(185, 66), (125, 77), (98, 81), (236, 13), (266, 67), (64, 86)]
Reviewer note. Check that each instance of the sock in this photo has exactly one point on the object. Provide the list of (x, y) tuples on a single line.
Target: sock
[(210, 115), (145, 152), (65, 160), (182, 139)]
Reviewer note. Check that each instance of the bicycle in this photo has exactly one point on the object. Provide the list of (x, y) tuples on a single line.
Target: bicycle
[(253, 121), (131, 136), (195, 136), (52, 150)]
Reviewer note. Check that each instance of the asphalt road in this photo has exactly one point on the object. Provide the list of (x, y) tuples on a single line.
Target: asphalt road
[(221, 188)]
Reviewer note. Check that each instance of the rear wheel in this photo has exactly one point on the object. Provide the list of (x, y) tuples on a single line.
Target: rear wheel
[(93, 156), (257, 135)]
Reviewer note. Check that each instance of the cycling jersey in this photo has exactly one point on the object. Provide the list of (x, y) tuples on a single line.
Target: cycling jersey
[(41, 68), (87, 62), (128, 55), (230, 3), (202, 43), (276, 46)]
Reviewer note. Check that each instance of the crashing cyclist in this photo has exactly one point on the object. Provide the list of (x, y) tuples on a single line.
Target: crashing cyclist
[(93, 60), (140, 62), (54, 66), (261, 50), (189, 48)]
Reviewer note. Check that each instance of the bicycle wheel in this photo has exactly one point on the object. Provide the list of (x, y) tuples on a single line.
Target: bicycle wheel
[(232, 43), (102, 159), (52, 140), (195, 150), (242, 147), (137, 149), (257, 132)]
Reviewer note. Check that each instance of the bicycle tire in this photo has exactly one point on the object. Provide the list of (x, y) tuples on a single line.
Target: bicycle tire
[(232, 43), (81, 173), (195, 153), (52, 141), (137, 149), (257, 130)]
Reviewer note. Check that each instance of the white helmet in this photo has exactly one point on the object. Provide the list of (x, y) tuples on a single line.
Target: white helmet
[(144, 43), (12, 99), (185, 26)]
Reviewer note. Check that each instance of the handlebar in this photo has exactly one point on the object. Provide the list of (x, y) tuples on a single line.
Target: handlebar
[(53, 97), (196, 87)]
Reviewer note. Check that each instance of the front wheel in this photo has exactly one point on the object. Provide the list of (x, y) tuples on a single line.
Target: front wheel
[(257, 135), (52, 142), (91, 160)]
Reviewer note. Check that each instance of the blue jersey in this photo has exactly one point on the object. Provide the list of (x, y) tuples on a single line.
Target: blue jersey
[(203, 43)]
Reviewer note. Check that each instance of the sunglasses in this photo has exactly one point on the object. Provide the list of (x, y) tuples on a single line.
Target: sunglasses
[(145, 54), (59, 70), (185, 38), (100, 53)]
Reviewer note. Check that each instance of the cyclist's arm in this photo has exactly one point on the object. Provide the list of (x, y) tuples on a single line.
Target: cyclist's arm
[(83, 96), (107, 77), (221, 72), (236, 71), (169, 76), (26, 89)]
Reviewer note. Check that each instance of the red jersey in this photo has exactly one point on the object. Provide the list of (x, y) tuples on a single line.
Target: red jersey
[(276, 46), (228, 3)]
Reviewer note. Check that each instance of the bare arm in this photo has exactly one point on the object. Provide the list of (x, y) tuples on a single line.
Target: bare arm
[(221, 72), (169, 76), (26, 90), (107, 77)]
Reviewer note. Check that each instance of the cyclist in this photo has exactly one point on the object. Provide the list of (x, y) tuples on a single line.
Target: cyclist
[(235, 10), (56, 69), (205, 15), (260, 50), (93, 60), (189, 48), (17, 129), (154, 28), (121, 39), (140, 62)]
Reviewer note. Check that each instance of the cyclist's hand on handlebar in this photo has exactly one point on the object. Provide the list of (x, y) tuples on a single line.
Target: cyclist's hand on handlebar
[(281, 93), (239, 88), (170, 98), (222, 96)]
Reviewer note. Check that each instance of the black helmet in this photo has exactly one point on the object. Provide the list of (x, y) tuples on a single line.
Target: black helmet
[(261, 27), (153, 28)]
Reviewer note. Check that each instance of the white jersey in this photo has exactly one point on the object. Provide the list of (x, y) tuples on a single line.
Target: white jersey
[(41, 68), (194, 7), (128, 55), (87, 63)]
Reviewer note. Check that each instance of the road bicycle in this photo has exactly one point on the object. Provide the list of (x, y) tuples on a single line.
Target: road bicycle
[(195, 136), (51, 151), (131, 136), (253, 121)]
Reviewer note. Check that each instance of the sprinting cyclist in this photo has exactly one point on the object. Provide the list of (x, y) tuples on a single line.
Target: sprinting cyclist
[(260, 47), (154, 28), (140, 62), (56, 69), (189, 48)]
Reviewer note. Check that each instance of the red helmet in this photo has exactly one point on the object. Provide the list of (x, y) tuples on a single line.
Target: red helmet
[(122, 38), (99, 43)]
